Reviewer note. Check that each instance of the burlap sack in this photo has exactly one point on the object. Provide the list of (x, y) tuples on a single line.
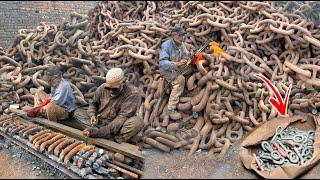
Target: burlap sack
[(267, 130)]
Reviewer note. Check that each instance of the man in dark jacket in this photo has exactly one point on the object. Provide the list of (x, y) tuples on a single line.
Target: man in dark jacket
[(114, 108)]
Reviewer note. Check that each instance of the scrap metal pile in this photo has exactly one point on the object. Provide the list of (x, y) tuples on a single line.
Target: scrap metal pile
[(221, 91), (88, 161), (287, 147), (307, 9)]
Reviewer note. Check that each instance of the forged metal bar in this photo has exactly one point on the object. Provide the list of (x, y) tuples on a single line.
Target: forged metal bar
[(123, 148), (42, 157)]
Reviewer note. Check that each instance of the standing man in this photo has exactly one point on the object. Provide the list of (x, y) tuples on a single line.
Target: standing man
[(114, 108), (60, 104), (172, 57)]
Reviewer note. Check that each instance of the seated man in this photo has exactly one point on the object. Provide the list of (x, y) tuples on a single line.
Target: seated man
[(114, 108), (60, 104)]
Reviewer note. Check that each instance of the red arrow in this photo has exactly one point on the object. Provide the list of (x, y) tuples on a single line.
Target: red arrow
[(280, 104)]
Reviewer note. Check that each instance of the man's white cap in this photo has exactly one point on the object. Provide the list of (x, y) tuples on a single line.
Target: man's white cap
[(114, 76)]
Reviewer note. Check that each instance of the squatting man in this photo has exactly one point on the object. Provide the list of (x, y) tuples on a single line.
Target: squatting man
[(113, 110)]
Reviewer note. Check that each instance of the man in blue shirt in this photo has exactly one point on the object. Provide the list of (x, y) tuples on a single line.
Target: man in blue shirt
[(172, 57), (61, 99)]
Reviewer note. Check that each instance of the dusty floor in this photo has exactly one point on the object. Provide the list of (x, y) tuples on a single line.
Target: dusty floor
[(17, 163), (177, 164)]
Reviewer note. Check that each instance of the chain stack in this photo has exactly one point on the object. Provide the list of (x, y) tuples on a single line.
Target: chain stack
[(222, 91)]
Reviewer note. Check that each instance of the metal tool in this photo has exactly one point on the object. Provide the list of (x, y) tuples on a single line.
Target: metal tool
[(192, 57), (86, 139), (91, 126)]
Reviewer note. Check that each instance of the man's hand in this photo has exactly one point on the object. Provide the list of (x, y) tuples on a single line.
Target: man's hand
[(42, 111), (34, 112), (93, 120), (91, 132), (182, 62), (86, 132)]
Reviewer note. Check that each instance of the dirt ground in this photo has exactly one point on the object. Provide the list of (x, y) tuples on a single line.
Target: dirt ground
[(177, 164), (17, 163)]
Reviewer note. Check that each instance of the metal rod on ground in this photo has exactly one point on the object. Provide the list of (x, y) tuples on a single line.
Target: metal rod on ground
[(123, 148), (128, 167), (122, 167), (42, 157), (131, 174)]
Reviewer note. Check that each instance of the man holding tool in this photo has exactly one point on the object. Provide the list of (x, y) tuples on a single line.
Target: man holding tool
[(113, 109), (174, 59)]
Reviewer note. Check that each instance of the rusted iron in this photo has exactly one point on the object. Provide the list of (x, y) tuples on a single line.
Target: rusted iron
[(254, 38), (71, 150)]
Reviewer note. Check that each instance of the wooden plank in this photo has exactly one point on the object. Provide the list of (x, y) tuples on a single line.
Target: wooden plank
[(123, 148)]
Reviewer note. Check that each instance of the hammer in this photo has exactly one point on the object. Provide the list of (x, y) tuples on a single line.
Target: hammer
[(91, 126)]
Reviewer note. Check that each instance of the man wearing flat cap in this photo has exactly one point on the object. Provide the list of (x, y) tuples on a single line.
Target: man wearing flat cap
[(60, 104), (172, 57), (114, 108)]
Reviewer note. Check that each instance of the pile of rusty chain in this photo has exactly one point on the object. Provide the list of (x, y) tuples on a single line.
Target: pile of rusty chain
[(88, 161), (307, 9), (221, 91), (287, 147)]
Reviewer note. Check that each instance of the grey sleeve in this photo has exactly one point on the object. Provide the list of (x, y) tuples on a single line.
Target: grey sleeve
[(60, 94), (164, 57), (164, 53)]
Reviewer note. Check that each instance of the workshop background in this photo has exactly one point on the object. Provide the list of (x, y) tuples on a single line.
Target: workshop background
[(17, 15)]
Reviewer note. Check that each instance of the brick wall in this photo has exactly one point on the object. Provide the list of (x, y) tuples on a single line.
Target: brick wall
[(15, 15)]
